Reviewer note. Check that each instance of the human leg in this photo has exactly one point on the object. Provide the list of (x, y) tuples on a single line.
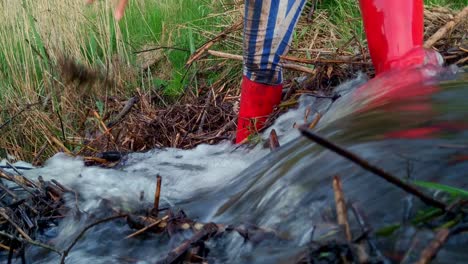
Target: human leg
[(268, 30)]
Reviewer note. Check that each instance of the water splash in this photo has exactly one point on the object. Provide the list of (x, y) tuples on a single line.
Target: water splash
[(288, 190)]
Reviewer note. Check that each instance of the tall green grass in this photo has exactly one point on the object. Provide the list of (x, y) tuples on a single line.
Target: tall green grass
[(37, 35)]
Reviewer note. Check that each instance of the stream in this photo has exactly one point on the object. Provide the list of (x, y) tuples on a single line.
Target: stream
[(417, 131)]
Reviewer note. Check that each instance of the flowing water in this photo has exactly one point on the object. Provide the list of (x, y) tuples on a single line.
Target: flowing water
[(417, 131)]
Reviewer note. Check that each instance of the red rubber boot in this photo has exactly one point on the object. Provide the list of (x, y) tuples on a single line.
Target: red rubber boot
[(256, 104), (394, 30)]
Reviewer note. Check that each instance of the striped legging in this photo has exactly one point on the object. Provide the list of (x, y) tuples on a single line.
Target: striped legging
[(268, 30)]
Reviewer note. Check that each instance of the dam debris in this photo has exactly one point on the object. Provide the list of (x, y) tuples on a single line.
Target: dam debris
[(29, 208)]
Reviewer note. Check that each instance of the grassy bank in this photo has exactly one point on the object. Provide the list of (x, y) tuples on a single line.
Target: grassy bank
[(67, 68), (61, 59)]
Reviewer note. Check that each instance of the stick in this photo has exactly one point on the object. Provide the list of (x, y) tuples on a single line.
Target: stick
[(436, 244), (376, 170), (147, 227), (319, 60), (39, 154), (157, 194), (65, 253), (17, 167), (446, 28), (289, 66), (341, 209), (273, 139)]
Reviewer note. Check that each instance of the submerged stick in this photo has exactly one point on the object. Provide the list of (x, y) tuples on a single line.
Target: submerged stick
[(157, 195), (341, 210), (374, 169), (147, 227), (65, 253), (273, 140), (436, 244)]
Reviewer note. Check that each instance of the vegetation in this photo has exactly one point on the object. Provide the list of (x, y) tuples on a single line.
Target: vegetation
[(60, 60)]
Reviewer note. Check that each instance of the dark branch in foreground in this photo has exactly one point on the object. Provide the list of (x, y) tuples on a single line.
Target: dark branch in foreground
[(376, 170)]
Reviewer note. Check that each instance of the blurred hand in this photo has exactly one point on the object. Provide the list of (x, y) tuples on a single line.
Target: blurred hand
[(119, 11)]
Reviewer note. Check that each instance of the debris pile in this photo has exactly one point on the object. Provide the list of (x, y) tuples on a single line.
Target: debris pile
[(27, 208)]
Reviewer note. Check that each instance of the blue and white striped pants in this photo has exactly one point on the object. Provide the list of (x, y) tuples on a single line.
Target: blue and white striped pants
[(268, 31)]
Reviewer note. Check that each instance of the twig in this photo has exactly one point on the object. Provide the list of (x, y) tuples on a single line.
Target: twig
[(289, 66), (158, 48), (17, 167), (436, 244), (332, 97), (157, 194), (365, 228), (62, 128), (341, 209), (32, 242), (65, 253), (273, 140), (8, 191), (128, 106), (157, 222), (200, 51), (39, 154), (319, 60), (376, 170), (446, 28)]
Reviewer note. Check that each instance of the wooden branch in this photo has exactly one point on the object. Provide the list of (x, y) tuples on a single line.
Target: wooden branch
[(461, 16), (374, 169), (289, 66)]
